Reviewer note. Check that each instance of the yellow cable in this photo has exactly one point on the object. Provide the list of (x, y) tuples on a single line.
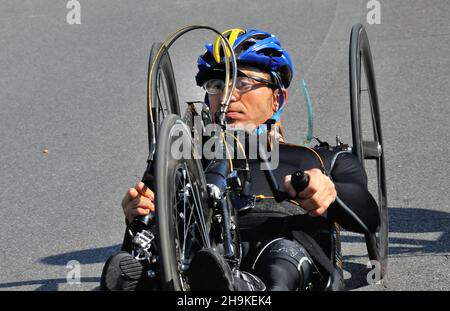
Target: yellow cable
[(150, 104), (223, 43), (239, 144), (263, 197), (315, 152), (227, 151), (318, 156)]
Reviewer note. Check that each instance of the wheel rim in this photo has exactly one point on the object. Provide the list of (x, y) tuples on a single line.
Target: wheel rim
[(183, 216), (162, 98), (365, 150)]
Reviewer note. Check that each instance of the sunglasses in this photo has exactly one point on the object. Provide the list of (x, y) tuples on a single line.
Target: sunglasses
[(244, 83)]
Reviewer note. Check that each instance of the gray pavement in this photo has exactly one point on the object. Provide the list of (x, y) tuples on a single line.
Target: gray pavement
[(78, 92)]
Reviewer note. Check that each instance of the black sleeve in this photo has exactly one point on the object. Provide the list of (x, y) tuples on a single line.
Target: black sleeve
[(350, 180)]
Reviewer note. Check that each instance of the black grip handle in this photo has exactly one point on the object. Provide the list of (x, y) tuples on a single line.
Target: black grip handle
[(147, 219), (299, 180), (142, 222)]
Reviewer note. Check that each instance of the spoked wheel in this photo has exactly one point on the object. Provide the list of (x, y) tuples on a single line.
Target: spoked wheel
[(369, 149), (183, 217), (162, 91)]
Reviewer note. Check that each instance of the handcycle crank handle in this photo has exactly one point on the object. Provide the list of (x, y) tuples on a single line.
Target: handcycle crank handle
[(142, 222), (299, 181)]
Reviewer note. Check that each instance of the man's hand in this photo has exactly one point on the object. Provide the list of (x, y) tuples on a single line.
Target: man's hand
[(317, 197), (138, 201)]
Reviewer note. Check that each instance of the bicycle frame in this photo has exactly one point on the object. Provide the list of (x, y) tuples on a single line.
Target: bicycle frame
[(221, 183)]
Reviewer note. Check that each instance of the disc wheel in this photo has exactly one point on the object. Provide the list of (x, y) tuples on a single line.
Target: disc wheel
[(368, 148)]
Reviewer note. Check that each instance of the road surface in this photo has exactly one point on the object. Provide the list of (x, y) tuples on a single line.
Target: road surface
[(73, 124)]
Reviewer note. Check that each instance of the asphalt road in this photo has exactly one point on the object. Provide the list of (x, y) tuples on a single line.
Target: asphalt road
[(73, 125)]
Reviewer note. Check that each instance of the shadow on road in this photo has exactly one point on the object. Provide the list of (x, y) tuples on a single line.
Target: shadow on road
[(46, 285), (401, 220), (86, 256), (404, 221)]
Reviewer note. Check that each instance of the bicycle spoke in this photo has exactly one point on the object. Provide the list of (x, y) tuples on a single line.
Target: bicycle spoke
[(205, 237), (184, 218), (191, 223), (162, 109), (201, 220)]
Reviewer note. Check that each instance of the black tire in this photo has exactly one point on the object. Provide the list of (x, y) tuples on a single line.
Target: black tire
[(373, 149), (330, 241), (162, 90), (162, 100), (175, 177)]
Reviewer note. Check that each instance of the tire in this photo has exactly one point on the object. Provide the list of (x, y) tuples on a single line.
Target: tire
[(330, 241), (162, 97), (162, 100), (180, 194), (373, 149)]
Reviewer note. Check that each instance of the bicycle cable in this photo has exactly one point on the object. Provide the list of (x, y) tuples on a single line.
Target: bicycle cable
[(229, 88)]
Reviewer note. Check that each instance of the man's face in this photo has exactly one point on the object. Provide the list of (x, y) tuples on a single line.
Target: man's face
[(253, 107)]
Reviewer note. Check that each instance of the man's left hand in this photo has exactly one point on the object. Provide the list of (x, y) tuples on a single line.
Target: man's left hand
[(317, 197)]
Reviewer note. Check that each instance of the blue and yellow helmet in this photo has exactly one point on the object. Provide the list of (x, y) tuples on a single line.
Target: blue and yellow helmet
[(252, 47)]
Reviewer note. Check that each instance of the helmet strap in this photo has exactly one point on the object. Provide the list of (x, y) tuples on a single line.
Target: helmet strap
[(206, 100), (276, 115)]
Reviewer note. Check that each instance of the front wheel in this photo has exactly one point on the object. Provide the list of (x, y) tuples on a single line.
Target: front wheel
[(183, 217)]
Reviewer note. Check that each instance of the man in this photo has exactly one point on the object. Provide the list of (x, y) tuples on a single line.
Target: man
[(274, 260)]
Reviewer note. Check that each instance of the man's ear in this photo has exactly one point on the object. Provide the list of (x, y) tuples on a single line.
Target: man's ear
[(276, 98)]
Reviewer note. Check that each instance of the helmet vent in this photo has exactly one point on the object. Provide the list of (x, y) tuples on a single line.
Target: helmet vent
[(244, 46), (270, 52)]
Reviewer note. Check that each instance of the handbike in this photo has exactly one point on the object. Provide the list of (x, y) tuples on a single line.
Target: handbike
[(194, 210)]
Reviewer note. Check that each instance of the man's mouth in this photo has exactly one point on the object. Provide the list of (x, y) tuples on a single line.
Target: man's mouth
[(235, 115)]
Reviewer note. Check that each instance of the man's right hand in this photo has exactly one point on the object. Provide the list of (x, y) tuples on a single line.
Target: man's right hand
[(138, 201)]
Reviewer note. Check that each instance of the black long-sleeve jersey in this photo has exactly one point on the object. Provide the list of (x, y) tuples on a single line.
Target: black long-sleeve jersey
[(344, 170)]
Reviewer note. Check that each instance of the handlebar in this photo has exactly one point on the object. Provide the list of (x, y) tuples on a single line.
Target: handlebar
[(299, 180), (217, 174)]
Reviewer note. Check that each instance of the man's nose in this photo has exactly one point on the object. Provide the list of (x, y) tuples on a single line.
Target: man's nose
[(235, 96)]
